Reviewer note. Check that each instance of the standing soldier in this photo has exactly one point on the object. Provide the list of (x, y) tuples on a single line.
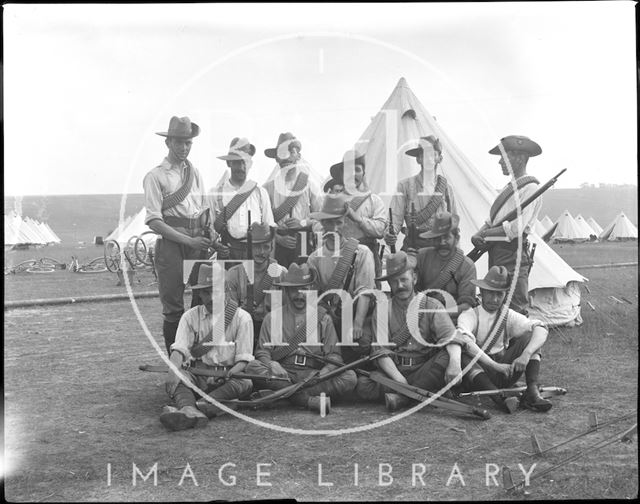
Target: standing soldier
[(177, 209), (235, 196), (252, 296), (428, 192), (367, 216), (291, 360), (293, 196), (444, 266), (502, 241), (342, 263)]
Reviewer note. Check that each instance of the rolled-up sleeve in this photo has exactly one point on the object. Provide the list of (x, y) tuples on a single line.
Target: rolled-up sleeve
[(185, 337), (152, 198), (374, 226)]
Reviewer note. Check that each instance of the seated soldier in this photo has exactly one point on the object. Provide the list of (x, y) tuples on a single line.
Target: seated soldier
[(291, 361), (342, 263), (411, 361), (444, 266), (265, 270), (515, 343), (208, 340)]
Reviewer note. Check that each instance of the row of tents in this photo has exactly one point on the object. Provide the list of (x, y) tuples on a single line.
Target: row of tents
[(578, 229), (24, 231)]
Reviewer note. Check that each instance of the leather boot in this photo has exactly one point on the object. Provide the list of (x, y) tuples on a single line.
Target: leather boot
[(184, 418), (315, 404), (506, 404), (533, 401), (211, 410), (394, 402)]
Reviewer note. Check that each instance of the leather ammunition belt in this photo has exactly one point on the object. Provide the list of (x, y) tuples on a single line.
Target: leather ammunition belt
[(183, 222)]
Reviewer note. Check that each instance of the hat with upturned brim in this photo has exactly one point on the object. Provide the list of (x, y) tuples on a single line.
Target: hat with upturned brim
[(281, 151), (334, 206), (208, 275), (397, 264), (239, 150), (417, 150), (518, 143), (443, 222), (330, 183), (261, 233), (353, 157), (297, 276), (496, 279), (181, 127)]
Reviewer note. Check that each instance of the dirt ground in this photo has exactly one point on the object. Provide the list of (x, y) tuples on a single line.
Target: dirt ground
[(80, 418)]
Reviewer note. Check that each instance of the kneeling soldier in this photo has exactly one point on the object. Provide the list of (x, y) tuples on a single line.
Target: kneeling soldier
[(205, 340), (290, 361), (410, 361), (515, 344)]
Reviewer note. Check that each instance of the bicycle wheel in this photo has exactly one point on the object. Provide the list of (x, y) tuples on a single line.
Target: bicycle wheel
[(49, 262), (25, 265), (96, 265), (112, 255), (140, 251)]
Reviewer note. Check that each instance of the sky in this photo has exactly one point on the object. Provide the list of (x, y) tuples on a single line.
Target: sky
[(86, 87)]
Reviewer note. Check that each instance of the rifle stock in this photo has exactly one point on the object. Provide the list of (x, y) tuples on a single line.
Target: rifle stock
[(476, 253), (392, 231)]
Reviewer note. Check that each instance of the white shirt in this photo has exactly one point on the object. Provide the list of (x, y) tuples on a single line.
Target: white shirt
[(529, 214)]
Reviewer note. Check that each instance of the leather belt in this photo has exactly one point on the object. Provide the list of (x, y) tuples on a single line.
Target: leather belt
[(183, 222), (300, 361), (409, 361)]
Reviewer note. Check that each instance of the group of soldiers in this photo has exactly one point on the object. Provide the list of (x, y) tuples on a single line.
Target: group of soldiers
[(310, 313)]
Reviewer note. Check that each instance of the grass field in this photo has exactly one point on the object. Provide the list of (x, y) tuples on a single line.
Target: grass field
[(76, 402)]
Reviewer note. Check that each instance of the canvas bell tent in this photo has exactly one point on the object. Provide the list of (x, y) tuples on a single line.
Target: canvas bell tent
[(547, 223), (133, 226), (585, 227), (595, 226), (567, 230), (620, 228), (26, 232), (401, 121)]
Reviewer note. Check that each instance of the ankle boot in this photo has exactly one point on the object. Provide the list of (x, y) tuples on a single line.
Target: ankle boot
[(394, 402)]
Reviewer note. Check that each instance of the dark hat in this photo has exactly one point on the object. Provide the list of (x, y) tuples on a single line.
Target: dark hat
[(333, 207), (208, 275), (496, 279), (431, 139), (297, 276), (181, 127), (239, 149), (330, 183), (261, 233), (397, 264), (351, 156), (443, 222), (284, 141), (518, 143)]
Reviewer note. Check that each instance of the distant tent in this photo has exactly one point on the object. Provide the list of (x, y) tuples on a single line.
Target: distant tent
[(584, 225), (621, 228), (121, 225), (594, 225), (547, 223), (133, 226), (538, 228), (54, 236), (568, 230), (25, 232), (554, 295)]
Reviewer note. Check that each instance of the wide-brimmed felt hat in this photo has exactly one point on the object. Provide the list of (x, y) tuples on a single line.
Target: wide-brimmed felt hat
[(443, 222), (208, 275), (417, 150), (496, 279), (282, 149), (239, 149), (261, 233), (330, 183), (353, 157), (297, 276), (334, 206), (518, 143), (397, 264), (181, 127)]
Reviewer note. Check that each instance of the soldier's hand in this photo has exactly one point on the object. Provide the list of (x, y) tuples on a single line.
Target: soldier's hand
[(520, 364), (390, 239), (200, 243), (292, 223), (412, 251), (478, 241), (277, 369), (357, 330), (171, 382), (224, 252), (504, 369), (453, 373), (286, 241)]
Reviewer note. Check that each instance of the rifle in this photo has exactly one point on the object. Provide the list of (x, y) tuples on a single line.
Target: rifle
[(476, 253), (249, 301), (413, 233), (533, 253), (213, 373), (415, 392), (544, 391), (392, 231)]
